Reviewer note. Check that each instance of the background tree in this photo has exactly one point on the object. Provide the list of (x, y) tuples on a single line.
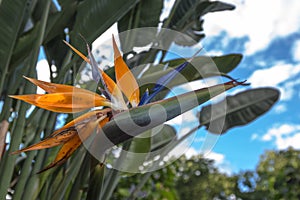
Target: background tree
[(276, 176), (199, 177)]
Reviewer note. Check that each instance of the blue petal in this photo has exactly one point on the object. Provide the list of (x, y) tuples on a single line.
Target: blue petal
[(144, 97), (162, 82)]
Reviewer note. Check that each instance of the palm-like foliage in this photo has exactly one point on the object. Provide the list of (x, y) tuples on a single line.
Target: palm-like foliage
[(28, 25)]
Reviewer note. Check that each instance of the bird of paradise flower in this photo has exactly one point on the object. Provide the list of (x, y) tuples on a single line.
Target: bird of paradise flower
[(68, 99)]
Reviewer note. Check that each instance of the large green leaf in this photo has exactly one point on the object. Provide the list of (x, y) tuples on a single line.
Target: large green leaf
[(135, 121), (96, 16), (163, 137), (134, 157), (12, 17), (145, 14), (145, 147), (186, 17), (24, 46), (237, 110)]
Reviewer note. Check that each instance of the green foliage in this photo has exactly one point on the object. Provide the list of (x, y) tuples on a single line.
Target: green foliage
[(277, 176), (199, 178)]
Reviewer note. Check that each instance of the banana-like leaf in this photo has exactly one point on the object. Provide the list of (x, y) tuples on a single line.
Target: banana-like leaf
[(24, 45), (224, 64), (145, 14), (134, 157), (12, 18), (163, 137), (187, 18), (238, 110), (135, 121), (96, 16)]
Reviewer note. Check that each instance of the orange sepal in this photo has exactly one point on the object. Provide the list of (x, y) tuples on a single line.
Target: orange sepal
[(69, 130), (84, 118), (65, 152), (77, 52), (125, 79), (84, 131), (68, 102), (56, 88), (49, 142)]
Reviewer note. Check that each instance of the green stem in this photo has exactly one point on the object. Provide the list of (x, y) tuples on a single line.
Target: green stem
[(26, 168), (34, 180), (70, 175), (81, 179), (96, 179), (114, 175), (139, 186), (8, 167)]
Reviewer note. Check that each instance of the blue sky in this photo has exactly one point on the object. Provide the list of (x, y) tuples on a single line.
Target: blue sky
[(267, 33)]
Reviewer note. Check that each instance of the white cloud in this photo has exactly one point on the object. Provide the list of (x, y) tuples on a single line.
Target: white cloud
[(106, 36), (185, 118), (284, 136), (281, 76), (217, 157), (198, 84), (296, 51), (220, 162), (183, 149), (43, 73), (260, 21), (280, 108), (168, 4), (254, 136), (191, 152), (273, 76)]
